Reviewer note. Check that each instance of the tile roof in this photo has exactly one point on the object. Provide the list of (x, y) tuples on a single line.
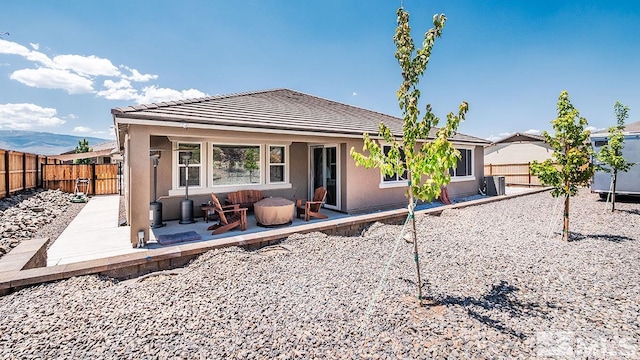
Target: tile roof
[(632, 128), (520, 137), (280, 109)]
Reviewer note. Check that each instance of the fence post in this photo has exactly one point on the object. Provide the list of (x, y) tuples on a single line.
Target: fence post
[(490, 169), (7, 175), (24, 171), (119, 175), (529, 172), (37, 166), (93, 177)]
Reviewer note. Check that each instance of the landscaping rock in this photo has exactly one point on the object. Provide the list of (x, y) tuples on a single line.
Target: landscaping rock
[(24, 216), (499, 281)]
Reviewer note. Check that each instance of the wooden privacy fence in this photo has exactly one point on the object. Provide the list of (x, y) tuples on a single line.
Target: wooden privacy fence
[(514, 174), (103, 178), (20, 171)]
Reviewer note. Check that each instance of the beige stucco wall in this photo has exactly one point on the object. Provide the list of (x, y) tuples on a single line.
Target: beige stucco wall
[(516, 153), (458, 189), (363, 191), (139, 185), (298, 170)]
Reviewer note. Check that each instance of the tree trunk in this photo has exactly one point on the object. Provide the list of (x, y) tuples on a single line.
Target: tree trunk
[(613, 193), (565, 230), (415, 239)]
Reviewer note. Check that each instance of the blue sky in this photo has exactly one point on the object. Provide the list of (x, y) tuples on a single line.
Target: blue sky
[(64, 65)]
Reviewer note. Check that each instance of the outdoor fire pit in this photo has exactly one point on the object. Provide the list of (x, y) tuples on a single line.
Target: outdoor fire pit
[(273, 211)]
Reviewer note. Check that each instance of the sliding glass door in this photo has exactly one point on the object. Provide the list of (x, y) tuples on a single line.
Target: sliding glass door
[(324, 172)]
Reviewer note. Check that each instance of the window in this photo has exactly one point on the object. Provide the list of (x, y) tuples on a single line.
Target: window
[(236, 164), (277, 164), (394, 177), (465, 164), (193, 178)]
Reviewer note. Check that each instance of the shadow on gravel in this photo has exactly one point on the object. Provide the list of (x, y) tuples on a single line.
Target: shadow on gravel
[(499, 298), (632, 212), (576, 236), (628, 199)]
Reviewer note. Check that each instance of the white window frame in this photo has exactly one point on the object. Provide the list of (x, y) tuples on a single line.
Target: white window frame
[(206, 172), (285, 164), (455, 178), (177, 165), (387, 184), (261, 160)]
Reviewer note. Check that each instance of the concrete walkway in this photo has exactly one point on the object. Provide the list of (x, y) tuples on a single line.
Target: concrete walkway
[(93, 234)]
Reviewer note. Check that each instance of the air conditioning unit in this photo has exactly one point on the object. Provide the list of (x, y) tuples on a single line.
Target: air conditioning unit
[(494, 185)]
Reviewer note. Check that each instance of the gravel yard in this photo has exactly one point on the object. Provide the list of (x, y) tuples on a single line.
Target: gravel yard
[(35, 213), (504, 285)]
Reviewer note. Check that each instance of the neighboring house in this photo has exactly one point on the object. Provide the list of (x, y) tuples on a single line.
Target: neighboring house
[(519, 148), (283, 142), (105, 153)]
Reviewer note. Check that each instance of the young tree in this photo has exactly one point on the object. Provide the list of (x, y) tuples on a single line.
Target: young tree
[(251, 162), (435, 155), (570, 166), (611, 153), (83, 147)]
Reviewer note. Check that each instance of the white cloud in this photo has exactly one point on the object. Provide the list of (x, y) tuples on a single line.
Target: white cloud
[(154, 94), (26, 116), (594, 129), (354, 94), (118, 90), (12, 48), (72, 116), (53, 79), (137, 76), (86, 65), (77, 73), (533, 132), (122, 90), (81, 129), (502, 135)]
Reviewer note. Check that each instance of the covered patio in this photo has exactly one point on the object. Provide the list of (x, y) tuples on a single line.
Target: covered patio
[(281, 142)]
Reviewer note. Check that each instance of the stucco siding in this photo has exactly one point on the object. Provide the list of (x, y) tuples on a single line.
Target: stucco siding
[(364, 192), (516, 153), (139, 186)]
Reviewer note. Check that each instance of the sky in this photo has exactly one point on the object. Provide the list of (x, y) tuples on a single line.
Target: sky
[(65, 64)]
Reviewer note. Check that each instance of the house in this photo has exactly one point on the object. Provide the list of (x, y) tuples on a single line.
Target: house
[(104, 153), (518, 148), (281, 141)]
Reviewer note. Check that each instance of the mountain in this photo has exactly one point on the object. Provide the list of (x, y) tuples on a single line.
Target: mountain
[(42, 143)]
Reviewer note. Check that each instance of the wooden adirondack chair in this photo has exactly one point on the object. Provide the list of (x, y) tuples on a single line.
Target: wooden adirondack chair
[(312, 208), (231, 216)]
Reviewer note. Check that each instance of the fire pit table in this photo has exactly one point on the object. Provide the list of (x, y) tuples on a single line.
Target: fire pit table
[(273, 211)]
